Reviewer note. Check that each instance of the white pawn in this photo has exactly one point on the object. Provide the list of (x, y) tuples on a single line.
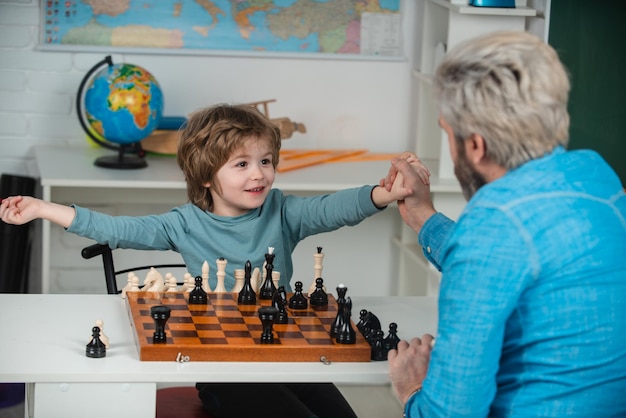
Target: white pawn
[(128, 285), (255, 279), (205, 278), (239, 280), (190, 282), (221, 275), (275, 278), (103, 338), (172, 285), (134, 283)]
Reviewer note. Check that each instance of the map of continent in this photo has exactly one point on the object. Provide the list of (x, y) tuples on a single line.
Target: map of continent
[(350, 27)]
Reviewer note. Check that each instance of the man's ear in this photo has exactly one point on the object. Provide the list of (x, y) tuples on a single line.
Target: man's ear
[(475, 148)]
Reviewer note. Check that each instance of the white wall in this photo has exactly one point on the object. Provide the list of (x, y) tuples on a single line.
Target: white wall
[(343, 103)]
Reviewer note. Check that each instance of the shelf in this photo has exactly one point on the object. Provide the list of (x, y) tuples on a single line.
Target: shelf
[(487, 11)]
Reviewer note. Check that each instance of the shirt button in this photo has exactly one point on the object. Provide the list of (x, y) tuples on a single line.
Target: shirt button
[(428, 250)]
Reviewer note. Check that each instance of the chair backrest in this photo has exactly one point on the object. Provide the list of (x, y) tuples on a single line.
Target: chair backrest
[(110, 274)]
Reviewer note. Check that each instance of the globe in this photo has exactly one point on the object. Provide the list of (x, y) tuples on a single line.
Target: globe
[(122, 104)]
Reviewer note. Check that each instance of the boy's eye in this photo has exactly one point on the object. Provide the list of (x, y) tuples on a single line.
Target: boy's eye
[(242, 164), (266, 161)]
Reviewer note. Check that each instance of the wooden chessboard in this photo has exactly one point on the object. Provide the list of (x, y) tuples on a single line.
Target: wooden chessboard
[(222, 330)]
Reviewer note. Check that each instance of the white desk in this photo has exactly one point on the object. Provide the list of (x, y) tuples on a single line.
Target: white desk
[(44, 338), (68, 175)]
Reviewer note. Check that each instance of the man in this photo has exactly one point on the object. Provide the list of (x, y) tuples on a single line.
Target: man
[(532, 306)]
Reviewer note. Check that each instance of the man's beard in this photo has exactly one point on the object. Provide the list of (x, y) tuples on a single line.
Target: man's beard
[(470, 179)]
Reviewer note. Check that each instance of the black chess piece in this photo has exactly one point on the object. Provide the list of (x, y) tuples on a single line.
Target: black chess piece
[(379, 351), (298, 300), (160, 314), (346, 335), (95, 348), (198, 296), (279, 301), (392, 339), (369, 323), (267, 315), (268, 288), (247, 295), (341, 300), (318, 297)]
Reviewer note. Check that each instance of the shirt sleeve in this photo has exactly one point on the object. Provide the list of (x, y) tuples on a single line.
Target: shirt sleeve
[(485, 266), (433, 236), (153, 232)]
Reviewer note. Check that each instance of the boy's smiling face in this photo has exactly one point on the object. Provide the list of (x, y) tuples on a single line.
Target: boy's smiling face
[(244, 181)]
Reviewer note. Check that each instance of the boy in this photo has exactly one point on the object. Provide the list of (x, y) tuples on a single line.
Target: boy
[(229, 155)]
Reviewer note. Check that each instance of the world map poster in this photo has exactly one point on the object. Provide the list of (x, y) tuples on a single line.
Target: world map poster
[(350, 28)]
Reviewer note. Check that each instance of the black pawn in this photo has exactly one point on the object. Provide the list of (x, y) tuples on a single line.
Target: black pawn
[(247, 296), (298, 300), (160, 314), (338, 322), (95, 348), (267, 315), (198, 296), (318, 297), (267, 289), (346, 335), (379, 352), (279, 301), (392, 340)]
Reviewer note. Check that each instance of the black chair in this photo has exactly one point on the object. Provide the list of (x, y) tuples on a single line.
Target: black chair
[(110, 274), (173, 402)]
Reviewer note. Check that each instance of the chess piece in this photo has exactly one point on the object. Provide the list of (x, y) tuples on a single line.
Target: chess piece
[(189, 282), (160, 314), (247, 296), (172, 284), (297, 300), (255, 280), (221, 275), (346, 335), (129, 284), (239, 278), (134, 282), (318, 297), (368, 324), (154, 281), (379, 351), (205, 277), (279, 301), (267, 315), (318, 258), (95, 348), (341, 300), (198, 295), (392, 340), (276, 278), (103, 338), (267, 288)]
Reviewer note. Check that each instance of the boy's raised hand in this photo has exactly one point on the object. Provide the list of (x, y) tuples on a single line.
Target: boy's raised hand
[(18, 210)]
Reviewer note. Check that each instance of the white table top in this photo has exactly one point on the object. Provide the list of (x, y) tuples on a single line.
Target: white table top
[(62, 166), (44, 338)]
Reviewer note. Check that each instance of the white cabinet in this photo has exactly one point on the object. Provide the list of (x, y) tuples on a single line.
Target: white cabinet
[(444, 24)]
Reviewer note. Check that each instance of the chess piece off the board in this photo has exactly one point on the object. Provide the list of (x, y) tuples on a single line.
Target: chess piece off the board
[(95, 348)]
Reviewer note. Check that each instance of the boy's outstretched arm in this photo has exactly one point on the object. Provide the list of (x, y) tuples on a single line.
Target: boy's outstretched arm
[(18, 210)]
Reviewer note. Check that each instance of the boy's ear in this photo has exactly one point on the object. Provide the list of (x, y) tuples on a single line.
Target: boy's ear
[(207, 184)]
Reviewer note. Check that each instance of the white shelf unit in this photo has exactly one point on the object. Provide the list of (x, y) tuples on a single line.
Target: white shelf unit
[(444, 25)]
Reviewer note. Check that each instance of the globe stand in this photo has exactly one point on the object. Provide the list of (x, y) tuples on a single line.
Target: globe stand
[(122, 159)]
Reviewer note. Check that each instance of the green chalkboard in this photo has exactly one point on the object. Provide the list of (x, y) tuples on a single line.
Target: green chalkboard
[(590, 37)]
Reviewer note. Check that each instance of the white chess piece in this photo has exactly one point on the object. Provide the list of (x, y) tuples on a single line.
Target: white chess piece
[(255, 279), (239, 280), (190, 282), (221, 275), (172, 285), (154, 281), (275, 278), (205, 278), (134, 282), (318, 258), (128, 285), (103, 338)]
